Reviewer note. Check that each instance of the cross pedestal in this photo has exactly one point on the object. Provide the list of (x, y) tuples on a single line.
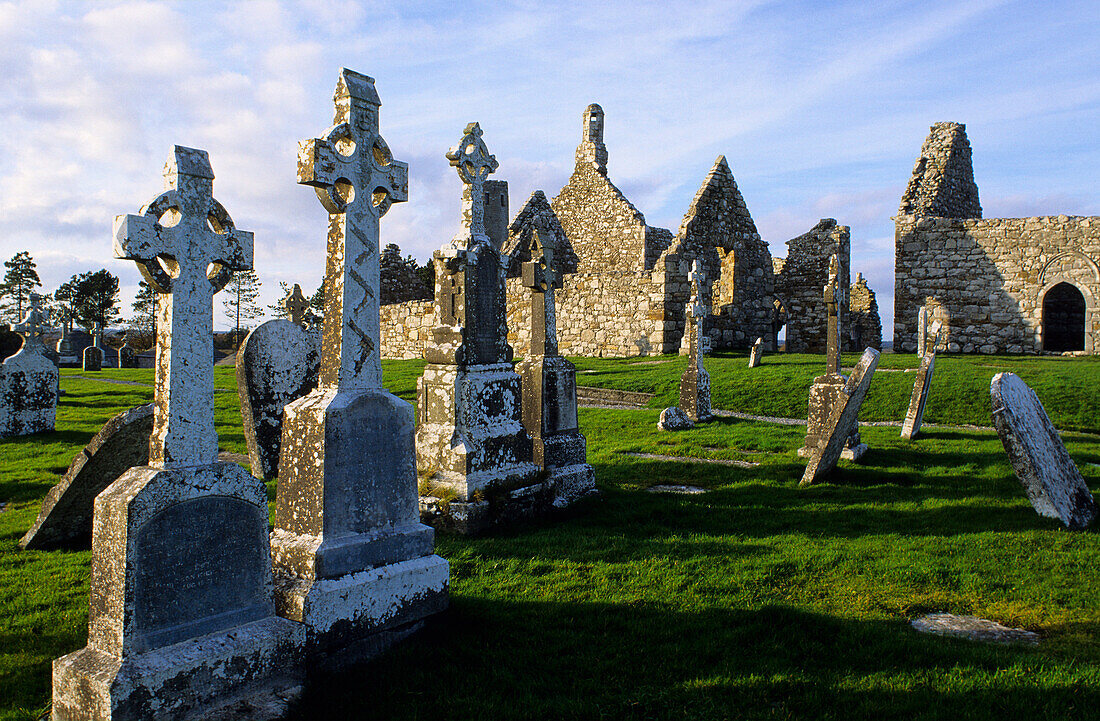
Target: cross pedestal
[(352, 560)]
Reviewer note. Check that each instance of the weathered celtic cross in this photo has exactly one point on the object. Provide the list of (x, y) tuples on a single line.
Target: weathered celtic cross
[(186, 263), (97, 334), (296, 304), (832, 305), (356, 179), (32, 327), (474, 163), (696, 312), (541, 276)]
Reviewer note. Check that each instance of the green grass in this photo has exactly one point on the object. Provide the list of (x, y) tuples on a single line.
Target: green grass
[(756, 600)]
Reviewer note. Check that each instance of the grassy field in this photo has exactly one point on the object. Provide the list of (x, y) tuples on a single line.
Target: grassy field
[(757, 599)]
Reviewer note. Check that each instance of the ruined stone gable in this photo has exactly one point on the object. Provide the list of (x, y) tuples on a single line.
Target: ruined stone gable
[(997, 285), (864, 324), (799, 284)]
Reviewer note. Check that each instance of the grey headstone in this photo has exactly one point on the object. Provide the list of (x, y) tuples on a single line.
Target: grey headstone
[(93, 359), (66, 516), (674, 419), (921, 387), (756, 355), (29, 380), (277, 363), (1050, 477), (842, 419)]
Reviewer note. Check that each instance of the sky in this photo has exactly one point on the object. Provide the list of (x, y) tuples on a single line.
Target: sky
[(819, 107)]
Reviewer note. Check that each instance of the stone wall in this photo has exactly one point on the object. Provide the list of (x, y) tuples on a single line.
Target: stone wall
[(986, 280), (801, 281), (406, 327), (864, 324)]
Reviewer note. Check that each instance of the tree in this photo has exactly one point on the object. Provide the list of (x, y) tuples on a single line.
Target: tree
[(94, 299), (427, 275), (63, 302), (317, 300), (240, 299), (20, 280), (277, 309), (144, 306)]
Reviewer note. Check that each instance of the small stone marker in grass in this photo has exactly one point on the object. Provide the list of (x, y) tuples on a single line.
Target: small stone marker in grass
[(28, 380), (756, 355), (921, 387), (66, 516), (973, 628), (277, 363), (841, 420), (1050, 478), (677, 489)]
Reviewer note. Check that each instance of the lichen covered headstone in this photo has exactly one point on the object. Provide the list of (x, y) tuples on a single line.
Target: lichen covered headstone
[(843, 415), (181, 619), (1050, 477), (921, 388), (756, 355), (28, 381)]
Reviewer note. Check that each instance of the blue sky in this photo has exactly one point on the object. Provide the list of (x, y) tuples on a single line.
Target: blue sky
[(819, 107)]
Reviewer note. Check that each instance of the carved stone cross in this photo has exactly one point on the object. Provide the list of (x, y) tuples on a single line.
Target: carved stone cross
[(474, 163), (296, 304), (186, 262), (357, 180), (97, 334), (832, 293), (542, 277), (697, 277), (32, 327)]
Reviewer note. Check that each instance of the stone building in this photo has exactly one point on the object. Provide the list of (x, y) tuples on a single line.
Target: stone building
[(997, 285), (864, 323)]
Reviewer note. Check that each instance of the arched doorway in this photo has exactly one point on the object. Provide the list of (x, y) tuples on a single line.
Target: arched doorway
[(1063, 319)]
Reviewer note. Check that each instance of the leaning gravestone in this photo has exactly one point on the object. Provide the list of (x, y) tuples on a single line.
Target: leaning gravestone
[(28, 381), (842, 418), (277, 363), (756, 355), (65, 520), (921, 387), (181, 620), (1050, 477)]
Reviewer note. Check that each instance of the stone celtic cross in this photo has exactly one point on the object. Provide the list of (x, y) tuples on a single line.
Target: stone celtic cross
[(296, 304), (357, 180), (697, 277), (832, 294), (542, 277), (474, 163), (97, 334), (32, 327), (187, 262)]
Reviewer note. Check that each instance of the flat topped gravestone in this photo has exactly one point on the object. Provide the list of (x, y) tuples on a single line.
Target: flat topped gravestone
[(181, 617), (842, 418), (28, 381), (277, 363), (66, 516), (921, 387), (1050, 477), (756, 355)]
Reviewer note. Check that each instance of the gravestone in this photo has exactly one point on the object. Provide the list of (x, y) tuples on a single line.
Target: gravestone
[(756, 355), (695, 381), (65, 520), (843, 415), (66, 355), (828, 389), (93, 354), (674, 419), (1050, 477), (277, 363), (127, 356), (470, 442), (352, 561), (922, 331), (921, 387), (181, 620), (28, 380), (549, 385)]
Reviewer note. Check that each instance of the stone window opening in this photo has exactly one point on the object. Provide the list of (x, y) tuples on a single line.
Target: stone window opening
[(1063, 319)]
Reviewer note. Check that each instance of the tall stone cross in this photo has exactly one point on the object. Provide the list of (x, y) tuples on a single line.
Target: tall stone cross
[(832, 293), (542, 277), (97, 334), (474, 163), (187, 262), (296, 304), (32, 327), (697, 278), (357, 180), (696, 312)]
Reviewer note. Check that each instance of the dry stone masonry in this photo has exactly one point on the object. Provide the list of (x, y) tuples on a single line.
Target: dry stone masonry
[(1001, 285), (800, 279), (1050, 477), (352, 561), (28, 380), (865, 325)]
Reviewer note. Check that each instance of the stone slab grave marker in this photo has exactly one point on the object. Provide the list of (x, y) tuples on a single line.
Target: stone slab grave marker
[(470, 440), (352, 560), (549, 384), (843, 415), (922, 331), (28, 380), (695, 381), (277, 363), (127, 356), (756, 355), (93, 354), (181, 618), (65, 520), (922, 385), (829, 388), (1050, 477)]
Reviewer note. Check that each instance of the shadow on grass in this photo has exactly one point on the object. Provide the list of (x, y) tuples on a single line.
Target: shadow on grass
[(502, 659)]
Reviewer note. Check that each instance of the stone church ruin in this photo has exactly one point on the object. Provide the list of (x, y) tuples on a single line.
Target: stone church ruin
[(997, 285)]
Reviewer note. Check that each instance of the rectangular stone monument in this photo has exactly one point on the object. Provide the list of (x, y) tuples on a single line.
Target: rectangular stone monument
[(921, 387), (352, 560), (1050, 477), (756, 355), (843, 415), (181, 622), (470, 442), (922, 331), (28, 381), (695, 381)]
